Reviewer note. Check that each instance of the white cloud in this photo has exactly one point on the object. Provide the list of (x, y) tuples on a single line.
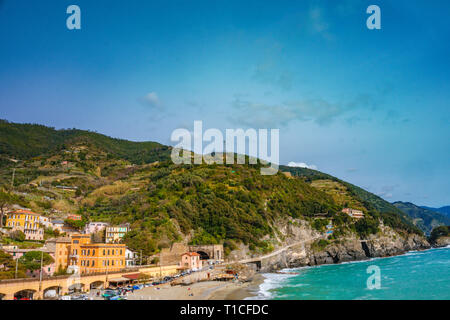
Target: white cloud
[(151, 99), (302, 165)]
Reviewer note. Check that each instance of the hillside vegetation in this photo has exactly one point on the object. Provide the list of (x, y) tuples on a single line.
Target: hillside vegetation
[(111, 180), (425, 219)]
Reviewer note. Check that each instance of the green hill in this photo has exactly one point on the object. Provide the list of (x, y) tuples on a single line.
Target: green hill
[(442, 210), (391, 214), (425, 219), (24, 141), (120, 181)]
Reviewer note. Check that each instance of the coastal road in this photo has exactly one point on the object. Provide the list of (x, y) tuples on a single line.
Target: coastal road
[(277, 252)]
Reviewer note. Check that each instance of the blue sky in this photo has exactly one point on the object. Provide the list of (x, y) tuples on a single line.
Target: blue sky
[(368, 106)]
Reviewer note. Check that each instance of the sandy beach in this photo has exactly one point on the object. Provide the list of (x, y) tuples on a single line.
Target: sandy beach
[(205, 290)]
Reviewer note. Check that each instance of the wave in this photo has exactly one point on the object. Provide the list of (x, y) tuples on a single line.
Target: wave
[(271, 281)]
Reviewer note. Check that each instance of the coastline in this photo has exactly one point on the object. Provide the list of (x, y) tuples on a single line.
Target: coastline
[(232, 290), (239, 290)]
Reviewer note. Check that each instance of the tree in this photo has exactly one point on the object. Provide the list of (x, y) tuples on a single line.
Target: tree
[(32, 260), (76, 224), (5, 200), (17, 235), (8, 267), (437, 232)]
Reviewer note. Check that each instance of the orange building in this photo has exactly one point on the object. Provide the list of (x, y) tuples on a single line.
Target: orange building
[(74, 217), (81, 256)]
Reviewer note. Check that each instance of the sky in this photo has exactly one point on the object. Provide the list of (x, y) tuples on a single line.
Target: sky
[(371, 107)]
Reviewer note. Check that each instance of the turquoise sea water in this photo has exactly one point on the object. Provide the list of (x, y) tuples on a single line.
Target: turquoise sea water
[(415, 275)]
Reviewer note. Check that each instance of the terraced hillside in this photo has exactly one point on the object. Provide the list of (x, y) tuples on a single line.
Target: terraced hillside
[(105, 179)]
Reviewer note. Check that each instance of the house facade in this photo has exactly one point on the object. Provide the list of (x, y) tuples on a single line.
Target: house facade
[(130, 258), (191, 261), (26, 221), (94, 227), (78, 255), (114, 234), (356, 214)]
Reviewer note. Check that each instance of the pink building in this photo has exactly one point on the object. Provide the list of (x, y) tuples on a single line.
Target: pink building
[(17, 253), (191, 260)]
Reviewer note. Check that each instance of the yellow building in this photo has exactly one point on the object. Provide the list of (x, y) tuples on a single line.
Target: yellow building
[(79, 255), (26, 221)]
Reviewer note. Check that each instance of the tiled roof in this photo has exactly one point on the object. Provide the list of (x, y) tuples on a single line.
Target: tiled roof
[(191, 254)]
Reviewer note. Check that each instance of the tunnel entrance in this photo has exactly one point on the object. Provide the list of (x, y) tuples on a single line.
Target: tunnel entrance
[(203, 255), (366, 249)]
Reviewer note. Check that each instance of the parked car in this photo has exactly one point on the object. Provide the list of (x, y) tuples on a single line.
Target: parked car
[(109, 293), (79, 297), (117, 298)]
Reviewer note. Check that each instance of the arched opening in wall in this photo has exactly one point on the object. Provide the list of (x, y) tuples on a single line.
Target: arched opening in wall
[(26, 294), (76, 287), (52, 293), (96, 285), (203, 255), (2, 296)]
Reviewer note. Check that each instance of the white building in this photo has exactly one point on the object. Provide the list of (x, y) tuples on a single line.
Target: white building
[(45, 221), (94, 227), (130, 258), (356, 214)]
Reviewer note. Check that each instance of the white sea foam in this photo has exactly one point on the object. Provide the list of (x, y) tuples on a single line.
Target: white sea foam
[(271, 281)]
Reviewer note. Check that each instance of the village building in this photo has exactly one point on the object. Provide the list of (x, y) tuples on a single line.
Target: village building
[(61, 226), (191, 261), (45, 222), (74, 217), (47, 270), (114, 234), (26, 221), (130, 258), (78, 255), (94, 227), (356, 214)]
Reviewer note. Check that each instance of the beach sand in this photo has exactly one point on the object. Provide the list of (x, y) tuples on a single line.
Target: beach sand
[(206, 290)]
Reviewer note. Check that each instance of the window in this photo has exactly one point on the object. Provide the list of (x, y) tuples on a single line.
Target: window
[(103, 251), (93, 262)]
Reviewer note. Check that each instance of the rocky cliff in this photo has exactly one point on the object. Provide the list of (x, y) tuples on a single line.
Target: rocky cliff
[(442, 242), (306, 247)]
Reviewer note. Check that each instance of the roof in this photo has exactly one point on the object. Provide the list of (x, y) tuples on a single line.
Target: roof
[(25, 211), (64, 239), (133, 276), (191, 254), (120, 279)]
